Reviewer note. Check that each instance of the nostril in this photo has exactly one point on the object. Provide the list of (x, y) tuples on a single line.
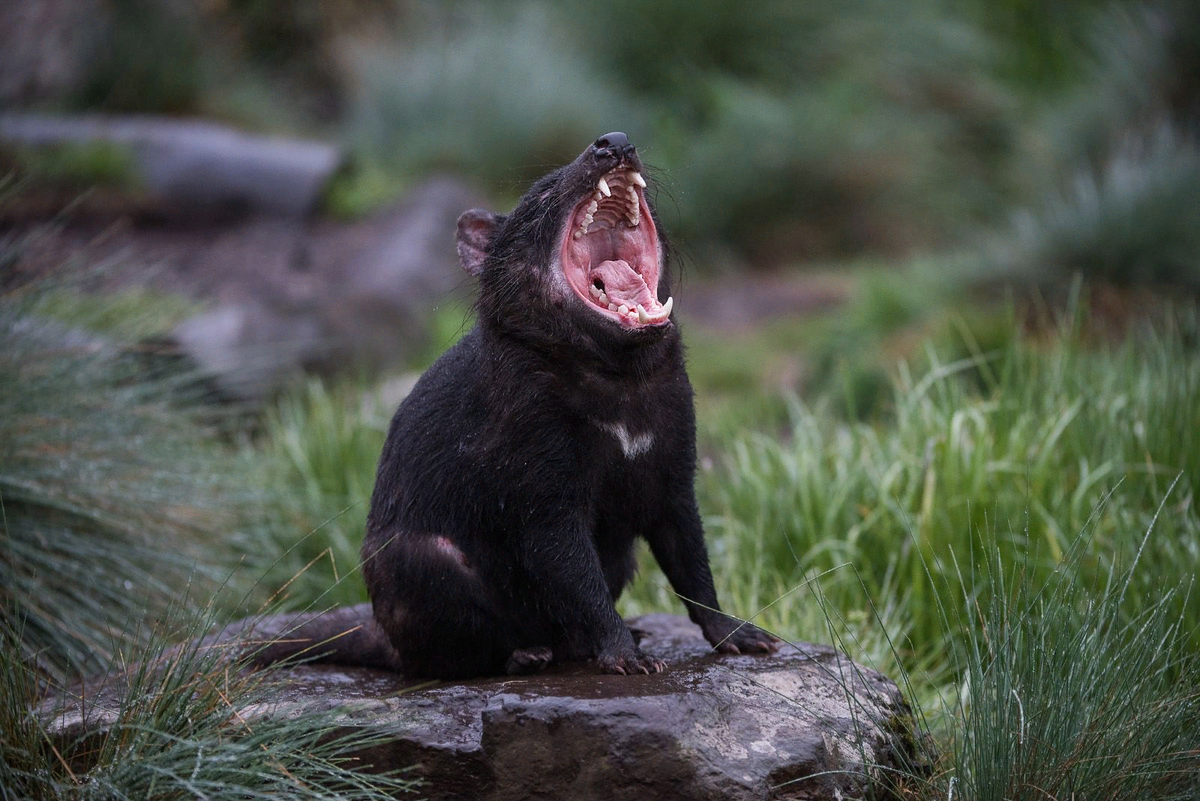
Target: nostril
[(616, 141)]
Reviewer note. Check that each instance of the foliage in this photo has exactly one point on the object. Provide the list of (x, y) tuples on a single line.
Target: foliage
[(102, 475), (743, 112), (1138, 76), (72, 166), (497, 92), (1069, 692), (179, 732), (1136, 220), (1117, 201), (324, 445), (125, 316), (152, 59), (999, 455)]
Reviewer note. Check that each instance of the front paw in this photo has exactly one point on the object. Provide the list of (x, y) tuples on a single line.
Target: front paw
[(630, 662), (731, 636)]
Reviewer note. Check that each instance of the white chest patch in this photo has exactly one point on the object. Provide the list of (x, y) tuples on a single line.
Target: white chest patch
[(632, 445)]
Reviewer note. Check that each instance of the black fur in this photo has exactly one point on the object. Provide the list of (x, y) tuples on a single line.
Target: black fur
[(505, 512)]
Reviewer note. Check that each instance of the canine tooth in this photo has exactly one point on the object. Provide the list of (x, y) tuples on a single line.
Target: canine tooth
[(603, 187), (637, 178), (642, 316), (666, 312)]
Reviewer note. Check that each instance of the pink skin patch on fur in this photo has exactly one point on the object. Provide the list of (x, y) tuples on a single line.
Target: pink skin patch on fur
[(445, 546)]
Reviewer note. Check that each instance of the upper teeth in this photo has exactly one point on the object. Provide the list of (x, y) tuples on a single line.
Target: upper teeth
[(628, 180)]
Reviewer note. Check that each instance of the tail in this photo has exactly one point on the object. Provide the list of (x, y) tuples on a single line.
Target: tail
[(346, 635)]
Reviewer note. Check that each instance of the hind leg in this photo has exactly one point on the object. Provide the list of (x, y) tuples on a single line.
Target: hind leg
[(524, 661), (438, 612)]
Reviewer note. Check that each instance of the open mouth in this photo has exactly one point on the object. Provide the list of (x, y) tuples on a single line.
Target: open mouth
[(610, 253)]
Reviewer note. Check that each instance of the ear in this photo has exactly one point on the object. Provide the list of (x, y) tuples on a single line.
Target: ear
[(475, 229)]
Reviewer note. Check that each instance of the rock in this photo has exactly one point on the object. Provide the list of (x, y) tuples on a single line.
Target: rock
[(806, 723), (196, 163), (249, 350), (324, 297), (284, 295), (379, 312)]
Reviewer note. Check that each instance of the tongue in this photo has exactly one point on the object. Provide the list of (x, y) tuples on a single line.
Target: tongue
[(623, 285)]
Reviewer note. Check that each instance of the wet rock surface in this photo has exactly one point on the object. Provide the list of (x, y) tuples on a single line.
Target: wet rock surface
[(806, 723)]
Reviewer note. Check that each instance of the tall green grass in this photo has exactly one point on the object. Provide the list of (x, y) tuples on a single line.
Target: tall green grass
[(1070, 690), (1014, 538), (322, 444), (114, 498), (1005, 455)]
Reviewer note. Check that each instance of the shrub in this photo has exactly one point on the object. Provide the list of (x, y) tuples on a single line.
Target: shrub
[(1136, 220), (114, 497), (1067, 693)]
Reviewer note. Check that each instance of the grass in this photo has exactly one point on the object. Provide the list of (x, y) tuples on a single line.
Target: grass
[(1011, 531), (105, 475), (1069, 692), (1021, 519), (1133, 221), (180, 731), (324, 445), (124, 316), (1057, 429), (127, 524)]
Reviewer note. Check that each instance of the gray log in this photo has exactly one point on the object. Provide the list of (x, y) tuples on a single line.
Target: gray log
[(196, 163)]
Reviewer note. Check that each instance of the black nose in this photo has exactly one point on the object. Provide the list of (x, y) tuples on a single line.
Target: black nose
[(616, 143)]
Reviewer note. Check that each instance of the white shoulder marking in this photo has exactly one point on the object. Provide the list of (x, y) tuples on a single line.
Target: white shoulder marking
[(631, 445)]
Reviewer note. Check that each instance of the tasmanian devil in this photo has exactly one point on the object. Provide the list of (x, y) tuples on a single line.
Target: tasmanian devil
[(520, 471)]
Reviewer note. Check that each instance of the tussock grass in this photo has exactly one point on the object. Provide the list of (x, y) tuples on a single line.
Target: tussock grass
[(123, 517), (1133, 220), (1070, 690), (113, 499), (1054, 431), (188, 725)]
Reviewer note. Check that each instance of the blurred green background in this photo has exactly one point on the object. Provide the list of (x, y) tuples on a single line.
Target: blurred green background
[(781, 132)]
